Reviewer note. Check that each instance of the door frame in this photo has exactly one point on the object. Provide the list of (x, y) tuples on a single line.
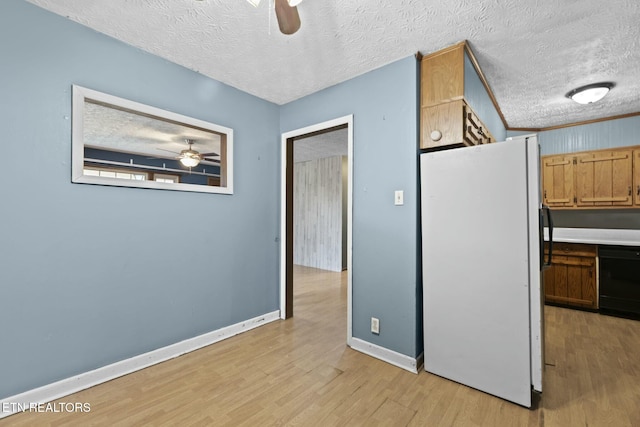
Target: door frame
[(286, 214)]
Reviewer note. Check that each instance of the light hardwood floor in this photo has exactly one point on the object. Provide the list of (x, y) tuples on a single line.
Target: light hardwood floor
[(299, 372)]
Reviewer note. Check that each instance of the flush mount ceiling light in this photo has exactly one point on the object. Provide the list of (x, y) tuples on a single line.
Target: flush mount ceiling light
[(590, 93)]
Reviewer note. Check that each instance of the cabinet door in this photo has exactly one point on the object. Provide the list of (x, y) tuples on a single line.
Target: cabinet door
[(557, 181), (447, 119), (442, 76), (604, 178), (571, 281)]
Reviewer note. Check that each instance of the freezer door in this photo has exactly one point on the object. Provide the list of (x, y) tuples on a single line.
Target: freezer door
[(476, 267), (536, 245)]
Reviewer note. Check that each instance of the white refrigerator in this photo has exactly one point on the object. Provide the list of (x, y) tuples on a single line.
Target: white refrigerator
[(482, 259)]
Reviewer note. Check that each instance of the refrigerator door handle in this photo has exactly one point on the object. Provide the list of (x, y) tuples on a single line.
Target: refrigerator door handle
[(546, 264)]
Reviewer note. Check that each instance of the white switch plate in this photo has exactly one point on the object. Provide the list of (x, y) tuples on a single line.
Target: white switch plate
[(375, 325), (399, 198)]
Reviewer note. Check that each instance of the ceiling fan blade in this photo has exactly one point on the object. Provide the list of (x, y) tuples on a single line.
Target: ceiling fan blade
[(288, 17), (169, 151), (210, 154)]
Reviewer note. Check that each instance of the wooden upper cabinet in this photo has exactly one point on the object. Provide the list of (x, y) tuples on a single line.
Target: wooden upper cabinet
[(592, 179), (442, 76), (604, 178), (446, 119), (557, 181), (636, 177), (455, 124)]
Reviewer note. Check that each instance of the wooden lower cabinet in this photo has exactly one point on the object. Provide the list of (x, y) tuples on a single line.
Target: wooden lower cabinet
[(571, 280)]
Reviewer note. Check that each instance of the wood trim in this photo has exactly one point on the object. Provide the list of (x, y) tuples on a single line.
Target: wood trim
[(289, 222), (445, 50), (573, 260), (605, 199), (558, 299), (558, 163), (327, 130), (568, 200), (600, 159), (485, 83), (532, 130), (568, 125)]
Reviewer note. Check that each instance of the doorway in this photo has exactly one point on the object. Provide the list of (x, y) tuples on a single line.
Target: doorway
[(287, 211)]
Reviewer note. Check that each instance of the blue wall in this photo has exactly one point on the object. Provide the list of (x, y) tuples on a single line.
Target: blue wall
[(91, 275), (476, 95), (594, 136), (385, 283)]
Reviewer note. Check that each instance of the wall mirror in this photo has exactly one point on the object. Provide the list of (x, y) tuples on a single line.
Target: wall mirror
[(128, 144)]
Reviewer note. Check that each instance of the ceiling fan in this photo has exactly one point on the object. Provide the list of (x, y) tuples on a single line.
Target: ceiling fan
[(286, 13), (192, 158)]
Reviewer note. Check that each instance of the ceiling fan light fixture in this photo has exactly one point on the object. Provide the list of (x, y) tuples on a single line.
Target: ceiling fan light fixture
[(590, 93), (190, 158), (287, 16), (189, 162)]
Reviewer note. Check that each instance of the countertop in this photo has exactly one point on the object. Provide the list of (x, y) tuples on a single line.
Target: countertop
[(596, 236)]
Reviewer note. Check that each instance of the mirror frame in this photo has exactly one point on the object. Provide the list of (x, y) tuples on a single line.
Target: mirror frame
[(82, 95)]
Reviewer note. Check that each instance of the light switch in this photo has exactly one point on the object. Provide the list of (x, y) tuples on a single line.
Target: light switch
[(399, 198)]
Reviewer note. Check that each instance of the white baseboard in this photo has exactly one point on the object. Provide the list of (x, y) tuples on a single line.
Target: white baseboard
[(398, 359), (88, 379)]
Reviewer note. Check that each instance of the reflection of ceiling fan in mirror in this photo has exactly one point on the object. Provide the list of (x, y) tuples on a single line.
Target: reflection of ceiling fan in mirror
[(286, 13), (192, 158)]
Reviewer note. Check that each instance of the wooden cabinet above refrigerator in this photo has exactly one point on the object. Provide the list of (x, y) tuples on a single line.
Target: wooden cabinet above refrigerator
[(447, 119)]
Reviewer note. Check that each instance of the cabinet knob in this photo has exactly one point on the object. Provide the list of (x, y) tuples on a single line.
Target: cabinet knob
[(436, 135)]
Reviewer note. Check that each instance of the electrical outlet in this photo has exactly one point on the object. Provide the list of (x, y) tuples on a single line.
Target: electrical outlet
[(399, 198), (375, 325)]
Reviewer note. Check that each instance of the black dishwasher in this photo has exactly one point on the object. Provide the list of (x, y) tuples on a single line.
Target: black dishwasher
[(620, 280)]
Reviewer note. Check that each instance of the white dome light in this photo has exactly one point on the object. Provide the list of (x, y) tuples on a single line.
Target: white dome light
[(590, 93)]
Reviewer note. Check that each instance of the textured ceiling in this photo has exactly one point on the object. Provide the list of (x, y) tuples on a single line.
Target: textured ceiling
[(531, 53), (328, 144)]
